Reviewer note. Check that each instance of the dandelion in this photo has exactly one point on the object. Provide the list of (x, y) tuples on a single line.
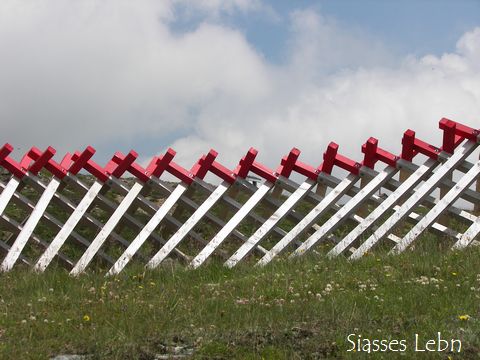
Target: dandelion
[(86, 318), (464, 317)]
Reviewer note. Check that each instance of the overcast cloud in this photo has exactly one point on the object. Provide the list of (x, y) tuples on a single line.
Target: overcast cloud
[(115, 72)]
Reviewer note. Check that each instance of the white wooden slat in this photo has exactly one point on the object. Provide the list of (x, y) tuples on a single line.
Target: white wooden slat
[(148, 206), (6, 248), (450, 197), (210, 216), (425, 189), (107, 229), (50, 220), (273, 220), (354, 203), (148, 229), (231, 224), (68, 227), (235, 206), (8, 192), (328, 201), (70, 206), (30, 225), (188, 225), (109, 205), (15, 227), (469, 235), (408, 185)]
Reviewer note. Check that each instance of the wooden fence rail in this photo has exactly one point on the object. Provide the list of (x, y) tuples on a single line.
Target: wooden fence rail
[(54, 212)]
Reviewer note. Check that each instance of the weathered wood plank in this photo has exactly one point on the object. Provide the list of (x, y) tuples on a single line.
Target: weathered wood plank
[(328, 201), (107, 229), (148, 229), (425, 189), (188, 225), (268, 225), (407, 185), (68, 227), (8, 192), (438, 209), (30, 225), (350, 207), (231, 224)]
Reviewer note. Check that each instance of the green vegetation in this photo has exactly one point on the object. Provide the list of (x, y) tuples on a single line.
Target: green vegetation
[(288, 310)]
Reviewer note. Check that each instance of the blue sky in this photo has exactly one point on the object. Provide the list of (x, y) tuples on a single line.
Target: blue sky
[(231, 74), (405, 27)]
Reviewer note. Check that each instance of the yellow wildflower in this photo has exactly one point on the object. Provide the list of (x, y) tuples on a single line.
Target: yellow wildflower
[(464, 317), (86, 318)]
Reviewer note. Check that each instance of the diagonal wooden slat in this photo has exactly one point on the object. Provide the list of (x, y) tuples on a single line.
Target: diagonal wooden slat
[(231, 224), (438, 209), (268, 225), (427, 187), (328, 201), (188, 225), (353, 204), (386, 205), (148, 229)]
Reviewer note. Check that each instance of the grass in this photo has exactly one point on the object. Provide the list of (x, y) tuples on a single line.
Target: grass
[(297, 309)]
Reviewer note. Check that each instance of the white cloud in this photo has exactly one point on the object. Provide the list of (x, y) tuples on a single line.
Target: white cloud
[(103, 72), (345, 106)]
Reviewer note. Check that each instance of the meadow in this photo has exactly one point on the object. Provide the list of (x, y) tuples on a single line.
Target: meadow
[(302, 309)]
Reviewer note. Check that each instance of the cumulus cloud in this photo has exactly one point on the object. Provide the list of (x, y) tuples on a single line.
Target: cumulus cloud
[(310, 105), (116, 72)]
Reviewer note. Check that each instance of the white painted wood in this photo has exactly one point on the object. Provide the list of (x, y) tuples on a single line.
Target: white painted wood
[(109, 205), (70, 206), (231, 224), (350, 207), (328, 201), (405, 188), (68, 227), (469, 235), (423, 191), (107, 229), (273, 220), (30, 225), (50, 220), (188, 225), (8, 192), (15, 228), (450, 197), (235, 206), (148, 229)]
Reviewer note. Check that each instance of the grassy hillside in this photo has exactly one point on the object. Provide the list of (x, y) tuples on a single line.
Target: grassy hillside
[(288, 310)]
